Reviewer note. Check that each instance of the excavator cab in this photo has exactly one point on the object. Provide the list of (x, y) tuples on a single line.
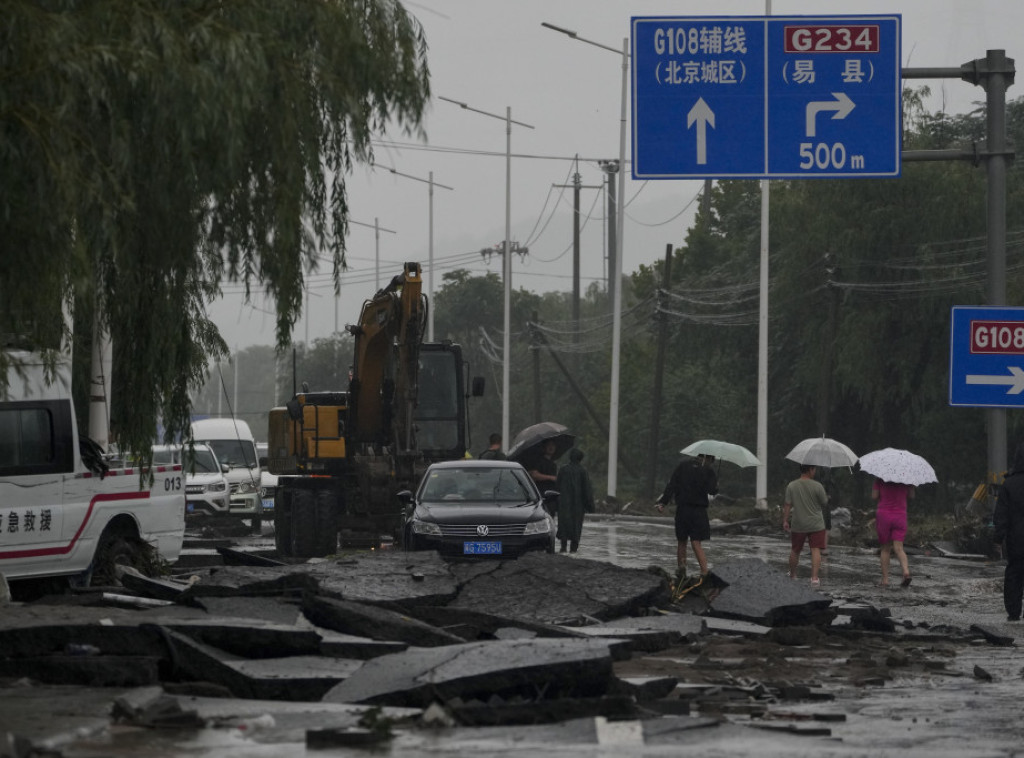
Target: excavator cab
[(440, 415)]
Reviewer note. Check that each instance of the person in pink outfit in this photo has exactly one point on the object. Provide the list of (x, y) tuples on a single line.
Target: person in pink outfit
[(891, 524)]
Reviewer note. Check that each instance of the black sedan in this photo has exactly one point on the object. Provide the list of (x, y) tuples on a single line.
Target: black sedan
[(472, 508)]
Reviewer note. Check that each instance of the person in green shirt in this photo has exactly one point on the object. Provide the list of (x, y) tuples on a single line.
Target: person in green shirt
[(806, 499)]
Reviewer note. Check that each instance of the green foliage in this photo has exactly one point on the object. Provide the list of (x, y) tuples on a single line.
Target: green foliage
[(149, 150), (863, 274)]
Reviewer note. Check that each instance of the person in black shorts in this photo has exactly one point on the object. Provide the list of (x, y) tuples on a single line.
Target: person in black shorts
[(692, 483)]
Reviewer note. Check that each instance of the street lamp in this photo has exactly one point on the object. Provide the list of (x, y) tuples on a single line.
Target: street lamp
[(507, 263), (613, 411), (430, 267)]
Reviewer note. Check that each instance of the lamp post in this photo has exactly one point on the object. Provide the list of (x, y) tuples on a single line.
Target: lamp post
[(507, 255), (430, 267), (613, 411)]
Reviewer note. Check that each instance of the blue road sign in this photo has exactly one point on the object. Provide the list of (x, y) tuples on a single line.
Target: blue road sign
[(738, 97), (986, 357)]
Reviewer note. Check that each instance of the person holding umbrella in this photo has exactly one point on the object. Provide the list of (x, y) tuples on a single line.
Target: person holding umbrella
[(544, 469), (691, 485), (806, 499), (897, 473), (891, 525)]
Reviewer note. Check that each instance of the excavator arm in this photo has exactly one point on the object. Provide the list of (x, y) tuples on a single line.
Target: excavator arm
[(385, 372)]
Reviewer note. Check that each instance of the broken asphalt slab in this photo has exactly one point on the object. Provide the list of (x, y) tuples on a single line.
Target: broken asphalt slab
[(553, 589), (373, 622), (538, 588), (538, 669), (759, 593), (301, 678), (380, 577), (648, 633)]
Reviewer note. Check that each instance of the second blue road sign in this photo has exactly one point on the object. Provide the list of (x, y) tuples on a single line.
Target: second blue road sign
[(986, 356), (766, 97)]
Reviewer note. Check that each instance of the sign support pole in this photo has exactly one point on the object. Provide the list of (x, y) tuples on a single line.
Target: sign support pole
[(995, 166), (995, 73)]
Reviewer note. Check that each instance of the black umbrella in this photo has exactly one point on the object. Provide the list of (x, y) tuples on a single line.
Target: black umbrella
[(525, 445)]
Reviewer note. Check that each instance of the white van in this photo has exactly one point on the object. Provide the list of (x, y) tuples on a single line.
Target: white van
[(64, 510), (233, 443)]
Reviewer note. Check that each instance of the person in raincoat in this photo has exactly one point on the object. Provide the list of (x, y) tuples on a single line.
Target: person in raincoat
[(575, 498), (1008, 523)]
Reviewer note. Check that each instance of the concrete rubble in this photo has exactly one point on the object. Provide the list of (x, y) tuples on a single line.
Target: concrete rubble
[(358, 650)]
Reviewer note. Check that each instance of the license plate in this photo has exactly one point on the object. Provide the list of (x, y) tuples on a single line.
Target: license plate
[(268, 504), (190, 507), (481, 548)]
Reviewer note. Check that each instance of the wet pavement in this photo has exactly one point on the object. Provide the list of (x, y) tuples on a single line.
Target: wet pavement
[(966, 706), (954, 713)]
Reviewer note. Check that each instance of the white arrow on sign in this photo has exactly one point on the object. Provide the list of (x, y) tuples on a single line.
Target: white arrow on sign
[(842, 105), (703, 116), (1016, 382)]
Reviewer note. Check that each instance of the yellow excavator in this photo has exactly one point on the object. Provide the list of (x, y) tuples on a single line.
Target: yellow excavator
[(340, 457)]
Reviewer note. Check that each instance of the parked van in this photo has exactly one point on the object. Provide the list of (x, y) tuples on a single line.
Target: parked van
[(233, 443), (64, 509)]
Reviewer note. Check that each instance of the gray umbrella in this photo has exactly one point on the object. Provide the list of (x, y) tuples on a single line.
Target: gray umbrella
[(822, 451), (528, 441)]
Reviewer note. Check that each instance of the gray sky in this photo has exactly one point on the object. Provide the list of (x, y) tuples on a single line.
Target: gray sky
[(493, 54)]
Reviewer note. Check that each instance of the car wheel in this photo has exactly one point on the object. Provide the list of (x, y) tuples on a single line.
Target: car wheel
[(117, 549), (327, 528), (314, 532)]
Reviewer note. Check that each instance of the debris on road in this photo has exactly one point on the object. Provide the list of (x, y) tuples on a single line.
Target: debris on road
[(381, 646)]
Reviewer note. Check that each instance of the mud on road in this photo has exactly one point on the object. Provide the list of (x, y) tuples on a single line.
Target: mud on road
[(927, 670)]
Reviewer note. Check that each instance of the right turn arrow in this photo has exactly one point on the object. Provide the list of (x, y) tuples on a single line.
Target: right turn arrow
[(1015, 382)]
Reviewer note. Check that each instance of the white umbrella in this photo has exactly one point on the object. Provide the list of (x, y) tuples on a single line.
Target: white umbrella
[(822, 451), (725, 451), (898, 466)]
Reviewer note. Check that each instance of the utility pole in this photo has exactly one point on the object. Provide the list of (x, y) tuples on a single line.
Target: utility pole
[(611, 168), (659, 373), (827, 367), (576, 187), (575, 254), (535, 349)]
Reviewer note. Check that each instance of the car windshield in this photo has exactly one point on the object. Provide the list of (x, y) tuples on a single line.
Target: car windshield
[(502, 485), (206, 462), (235, 453)]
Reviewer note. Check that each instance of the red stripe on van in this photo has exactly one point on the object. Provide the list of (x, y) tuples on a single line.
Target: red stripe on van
[(36, 552)]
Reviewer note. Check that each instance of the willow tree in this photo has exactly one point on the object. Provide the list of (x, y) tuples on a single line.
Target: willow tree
[(151, 150)]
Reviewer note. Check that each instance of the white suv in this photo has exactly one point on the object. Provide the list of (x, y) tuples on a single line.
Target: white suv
[(206, 487)]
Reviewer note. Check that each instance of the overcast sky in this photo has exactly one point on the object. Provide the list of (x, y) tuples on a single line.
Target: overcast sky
[(493, 54)]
